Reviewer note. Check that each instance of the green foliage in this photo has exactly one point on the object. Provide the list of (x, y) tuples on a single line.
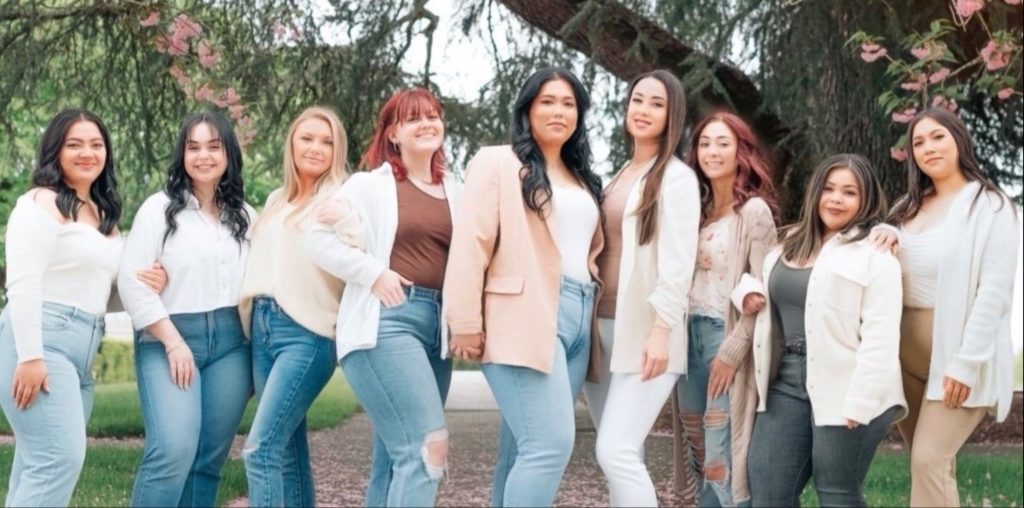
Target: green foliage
[(984, 479), (114, 363), (109, 474), (117, 413)]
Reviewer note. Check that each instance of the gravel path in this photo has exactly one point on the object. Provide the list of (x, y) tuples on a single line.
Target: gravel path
[(341, 463)]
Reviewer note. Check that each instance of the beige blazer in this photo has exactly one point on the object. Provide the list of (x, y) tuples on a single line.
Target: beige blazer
[(504, 268), (655, 278)]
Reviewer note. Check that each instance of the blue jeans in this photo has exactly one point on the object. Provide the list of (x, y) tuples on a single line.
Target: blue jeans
[(189, 432), (291, 365), (787, 449), (538, 427), (706, 422), (402, 383), (49, 435)]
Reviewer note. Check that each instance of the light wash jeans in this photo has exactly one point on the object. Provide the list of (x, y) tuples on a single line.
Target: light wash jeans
[(708, 439), (787, 448), (291, 365), (402, 383), (189, 432), (49, 436), (538, 410)]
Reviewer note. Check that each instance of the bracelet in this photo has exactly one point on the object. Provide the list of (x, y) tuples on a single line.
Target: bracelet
[(176, 346)]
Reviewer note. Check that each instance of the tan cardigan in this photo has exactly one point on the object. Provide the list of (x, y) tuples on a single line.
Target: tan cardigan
[(753, 236), (504, 268)]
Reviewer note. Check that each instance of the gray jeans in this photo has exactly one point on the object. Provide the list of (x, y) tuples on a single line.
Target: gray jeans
[(787, 449)]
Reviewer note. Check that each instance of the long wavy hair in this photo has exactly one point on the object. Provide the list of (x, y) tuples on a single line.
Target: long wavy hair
[(575, 152), (670, 146), (753, 169), (329, 180), (803, 239), (49, 174), (404, 104), (920, 185), (230, 192)]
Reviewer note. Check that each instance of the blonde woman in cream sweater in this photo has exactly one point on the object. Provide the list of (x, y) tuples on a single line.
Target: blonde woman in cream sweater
[(288, 307)]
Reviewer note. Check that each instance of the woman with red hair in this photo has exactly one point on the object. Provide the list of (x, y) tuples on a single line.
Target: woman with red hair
[(717, 397), (392, 342)]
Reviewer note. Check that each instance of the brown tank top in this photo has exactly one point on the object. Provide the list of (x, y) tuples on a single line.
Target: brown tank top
[(424, 234), (614, 208)]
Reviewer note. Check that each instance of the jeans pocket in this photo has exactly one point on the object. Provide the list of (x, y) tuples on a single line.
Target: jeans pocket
[(55, 321)]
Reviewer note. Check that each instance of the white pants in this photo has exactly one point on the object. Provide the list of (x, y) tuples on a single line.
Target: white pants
[(624, 410)]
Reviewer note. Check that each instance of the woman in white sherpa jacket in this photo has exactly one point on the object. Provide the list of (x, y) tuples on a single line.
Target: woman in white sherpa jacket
[(826, 345)]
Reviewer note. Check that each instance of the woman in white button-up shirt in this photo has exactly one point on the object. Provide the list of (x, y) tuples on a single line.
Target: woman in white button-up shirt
[(826, 345), (192, 361)]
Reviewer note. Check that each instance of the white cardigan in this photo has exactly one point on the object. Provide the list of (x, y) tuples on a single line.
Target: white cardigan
[(655, 279), (971, 340), (852, 327), (374, 198)]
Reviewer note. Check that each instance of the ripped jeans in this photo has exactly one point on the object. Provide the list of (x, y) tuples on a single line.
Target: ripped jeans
[(401, 383), (706, 422)]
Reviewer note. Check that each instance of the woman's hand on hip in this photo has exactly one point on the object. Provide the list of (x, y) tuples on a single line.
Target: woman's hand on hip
[(388, 288), (29, 379)]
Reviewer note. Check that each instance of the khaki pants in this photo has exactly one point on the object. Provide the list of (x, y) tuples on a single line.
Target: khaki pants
[(933, 432)]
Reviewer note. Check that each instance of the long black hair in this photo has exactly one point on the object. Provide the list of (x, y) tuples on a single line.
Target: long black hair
[(230, 193), (575, 152), (48, 173)]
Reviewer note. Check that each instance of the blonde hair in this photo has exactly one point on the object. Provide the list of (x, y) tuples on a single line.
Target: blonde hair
[(326, 183)]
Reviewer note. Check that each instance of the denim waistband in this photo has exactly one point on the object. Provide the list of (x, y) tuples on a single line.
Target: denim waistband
[(75, 314), (422, 293), (266, 301), (702, 317), (573, 286)]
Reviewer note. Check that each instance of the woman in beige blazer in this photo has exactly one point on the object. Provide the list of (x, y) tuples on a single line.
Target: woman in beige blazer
[(522, 280), (651, 213)]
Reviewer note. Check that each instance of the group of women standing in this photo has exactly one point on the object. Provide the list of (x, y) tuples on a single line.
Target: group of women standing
[(784, 359)]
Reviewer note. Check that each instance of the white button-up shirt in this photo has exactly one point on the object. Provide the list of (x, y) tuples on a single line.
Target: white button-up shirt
[(204, 263)]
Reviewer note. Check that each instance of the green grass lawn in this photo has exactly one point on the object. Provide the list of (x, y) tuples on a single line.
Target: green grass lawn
[(116, 411), (109, 473), (984, 478)]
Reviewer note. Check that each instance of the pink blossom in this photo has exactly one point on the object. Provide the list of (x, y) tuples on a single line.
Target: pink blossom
[(179, 75), (152, 20), (871, 52), (207, 56), (171, 45), (231, 96), (995, 57), (898, 154), (912, 86), (904, 116), (942, 102), (204, 93), (279, 29), (1005, 93), (938, 76), (185, 28), (236, 111), (966, 8)]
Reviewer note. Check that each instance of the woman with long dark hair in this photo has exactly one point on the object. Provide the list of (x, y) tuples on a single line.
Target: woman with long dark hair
[(532, 293), (392, 344), (192, 362), (63, 251), (715, 402), (288, 307), (956, 351), (826, 344), (651, 214)]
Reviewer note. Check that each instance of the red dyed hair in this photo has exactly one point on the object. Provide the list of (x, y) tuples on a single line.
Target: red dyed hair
[(753, 171), (404, 104)]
